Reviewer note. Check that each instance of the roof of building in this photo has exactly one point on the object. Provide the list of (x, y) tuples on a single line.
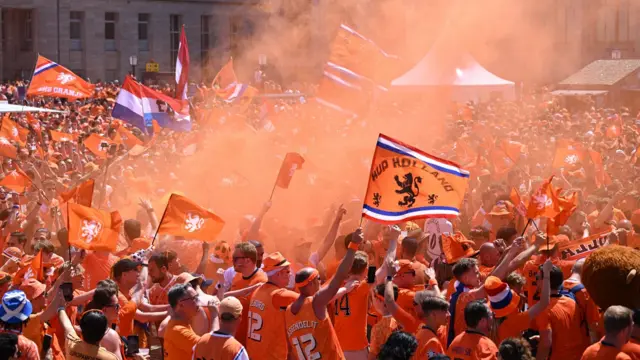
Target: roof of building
[(603, 72)]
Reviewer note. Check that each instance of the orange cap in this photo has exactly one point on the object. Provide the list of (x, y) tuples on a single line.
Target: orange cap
[(274, 261), (456, 247)]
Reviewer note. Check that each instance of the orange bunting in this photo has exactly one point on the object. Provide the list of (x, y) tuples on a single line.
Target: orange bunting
[(93, 229), (184, 217), (81, 194)]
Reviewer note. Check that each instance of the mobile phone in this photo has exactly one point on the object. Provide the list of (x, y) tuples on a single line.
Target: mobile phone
[(67, 291), (371, 275), (46, 343), (133, 345)]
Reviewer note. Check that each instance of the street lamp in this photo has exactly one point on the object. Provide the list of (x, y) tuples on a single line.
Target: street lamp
[(133, 61)]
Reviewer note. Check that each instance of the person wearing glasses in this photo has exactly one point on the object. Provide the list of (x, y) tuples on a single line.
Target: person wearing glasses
[(94, 325), (179, 337), (105, 299)]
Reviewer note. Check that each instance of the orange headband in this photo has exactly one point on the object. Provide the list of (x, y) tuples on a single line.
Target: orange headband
[(306, 282)]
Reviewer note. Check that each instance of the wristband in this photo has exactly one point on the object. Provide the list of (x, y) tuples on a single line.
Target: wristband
[(353, 246), (61, 308), (389, 278)]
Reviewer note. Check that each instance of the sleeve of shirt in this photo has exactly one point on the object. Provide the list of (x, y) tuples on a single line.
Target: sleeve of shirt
[(185, 337), (241, 355), (408, 322), (228, 277)]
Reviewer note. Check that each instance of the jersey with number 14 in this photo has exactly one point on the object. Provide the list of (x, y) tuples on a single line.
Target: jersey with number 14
[(309, 337), (266, 338), (350, 318)]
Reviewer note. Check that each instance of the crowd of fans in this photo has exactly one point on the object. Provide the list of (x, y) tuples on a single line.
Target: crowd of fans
[(500, 289)]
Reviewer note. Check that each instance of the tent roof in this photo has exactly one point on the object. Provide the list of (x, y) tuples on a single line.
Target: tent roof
[(603, 72), (5, 107), (468, 72)]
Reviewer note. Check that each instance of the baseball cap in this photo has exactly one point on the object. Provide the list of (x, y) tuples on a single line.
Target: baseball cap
[(33, 288), (230, 305), (274, 261), (16, 308)]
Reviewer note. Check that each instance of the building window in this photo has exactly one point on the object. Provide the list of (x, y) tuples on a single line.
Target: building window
[(111, 75), (26, 36), (79, 72), (205, 38), (75, 30), (143, 32), (110, 20), (174, 39), (622, 20)]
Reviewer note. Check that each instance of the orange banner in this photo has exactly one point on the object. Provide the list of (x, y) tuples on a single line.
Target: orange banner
[(583, 247)]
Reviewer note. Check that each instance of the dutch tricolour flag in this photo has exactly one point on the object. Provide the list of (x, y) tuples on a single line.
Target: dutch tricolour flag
[(139, 105)]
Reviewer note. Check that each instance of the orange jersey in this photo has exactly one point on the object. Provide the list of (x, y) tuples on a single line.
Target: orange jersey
[(241, 282), (310, 337), (531, 269), (158, 294), (586, 304), (266, 336), (405, 301), (632, 348), (471, 345), (126, 314), (219, 346), (563, 317), (428, 344), (513, 326), (179, 340), (350, 318), (457, 317), (603, 351), (485, 271)]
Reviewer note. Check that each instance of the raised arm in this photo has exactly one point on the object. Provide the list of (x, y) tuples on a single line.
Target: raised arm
[(331, 234), (392, 234), (501, 270), (254, 230), (528, 253), (324, 296)]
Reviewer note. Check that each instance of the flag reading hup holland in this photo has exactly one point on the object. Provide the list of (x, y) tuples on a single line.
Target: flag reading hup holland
[(52, 79), (406, 183)]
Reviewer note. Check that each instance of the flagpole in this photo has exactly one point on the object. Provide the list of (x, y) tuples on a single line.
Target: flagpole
[(161, 219), (68, 233), (274, 189)]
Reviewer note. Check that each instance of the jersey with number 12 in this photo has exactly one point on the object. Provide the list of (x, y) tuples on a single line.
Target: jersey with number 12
[(309, 337)]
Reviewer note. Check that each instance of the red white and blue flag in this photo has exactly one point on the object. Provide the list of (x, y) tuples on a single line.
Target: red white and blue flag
[(227, 86), (140, 105), (182, 75)]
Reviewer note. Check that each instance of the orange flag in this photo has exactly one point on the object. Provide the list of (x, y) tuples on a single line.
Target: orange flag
[(81, 194), (568, 204), (291, 163), (52, 79), (30, 269), (601, 177), (35, 124), (7, 149), (93, 229), (98, 145), (516, 200), (568, 154), (183, 217), (59, 136), (14, 132), (124, 136), (16, 180), (544, 202)]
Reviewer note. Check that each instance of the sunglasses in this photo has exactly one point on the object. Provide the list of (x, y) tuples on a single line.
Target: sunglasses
[(194, 298)]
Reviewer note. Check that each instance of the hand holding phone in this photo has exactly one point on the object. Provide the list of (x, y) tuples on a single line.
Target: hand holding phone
[(371, 275), (67, 291)]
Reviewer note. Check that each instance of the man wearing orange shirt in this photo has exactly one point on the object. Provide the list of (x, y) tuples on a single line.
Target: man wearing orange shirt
[(473, 343), (618, 325), (179, 337), (435, 311), (560, 318), (387, 324), (161, 278), (266, 338), (310, 333), (632, 348), (468, 287), (220, 344), (245, 259), (405, 278), (505, 304), (488, 258), (588, 308)]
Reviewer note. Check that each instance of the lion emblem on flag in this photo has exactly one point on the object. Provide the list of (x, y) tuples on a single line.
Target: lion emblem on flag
[(90, 230), (193, 222), (571, 159), (14, 132), (65, 78), (407, 187), (542, 201)]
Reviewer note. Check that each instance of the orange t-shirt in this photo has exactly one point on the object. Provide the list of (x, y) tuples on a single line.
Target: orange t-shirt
[(485, 271), (158, 294), (428, 344), (179, 340), (563, 317), (350, 318), (460, 325), (471, 345), (513, 326), (405, 301), (602, 351), (240, 282), (380, 332), (219, 346), (632, 348), (310, 337), (531, 269), (126, 314), (266, 321), (586, 304)]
